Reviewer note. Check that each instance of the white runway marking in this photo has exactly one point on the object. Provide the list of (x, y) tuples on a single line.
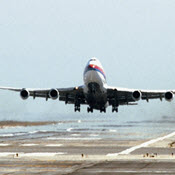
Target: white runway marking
[(38, 154), (29, 144), (132, 171), (54, 145), (2, 154), (128, 151), (4, 144), (43, 154)]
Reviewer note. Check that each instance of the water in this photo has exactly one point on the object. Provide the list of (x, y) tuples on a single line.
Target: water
[(92, 128)]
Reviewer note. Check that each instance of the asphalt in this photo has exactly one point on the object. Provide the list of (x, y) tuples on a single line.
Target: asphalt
[(77, 157)]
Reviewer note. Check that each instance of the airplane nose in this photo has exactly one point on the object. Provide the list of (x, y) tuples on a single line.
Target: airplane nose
[(93, 59)]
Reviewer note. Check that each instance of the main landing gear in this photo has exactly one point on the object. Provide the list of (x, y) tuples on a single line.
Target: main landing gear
[(90, 109), (77, 108), (114, 109), (77, 104), (103, 109), (115, 105)]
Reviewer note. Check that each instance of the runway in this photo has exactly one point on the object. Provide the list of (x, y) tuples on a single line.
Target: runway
[(38, 156), (87, 147)]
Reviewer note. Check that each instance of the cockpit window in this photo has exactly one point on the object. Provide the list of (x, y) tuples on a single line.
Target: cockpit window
[(93, 59)]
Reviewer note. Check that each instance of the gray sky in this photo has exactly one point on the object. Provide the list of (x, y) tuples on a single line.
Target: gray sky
[(47, 43)]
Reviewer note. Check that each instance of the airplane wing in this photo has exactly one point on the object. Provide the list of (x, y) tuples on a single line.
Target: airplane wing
[(74, 95), (125, 96), (69, 95)]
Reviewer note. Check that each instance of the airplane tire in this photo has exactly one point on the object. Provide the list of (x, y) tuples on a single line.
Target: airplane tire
[(114, 109), (90, 109), (103, 109), (77, 109)]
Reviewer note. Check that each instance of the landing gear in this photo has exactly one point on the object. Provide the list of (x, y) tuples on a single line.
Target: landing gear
[(77, 105), (115, 105), (77, 108), (103, 109), (114, 109), (90, 109)]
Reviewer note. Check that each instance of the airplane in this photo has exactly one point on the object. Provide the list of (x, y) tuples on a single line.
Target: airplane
[(95, 92)]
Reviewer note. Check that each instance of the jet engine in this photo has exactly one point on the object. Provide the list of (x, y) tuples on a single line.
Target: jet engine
[(169, 96), (136, 95), (53, 94), (24, 94)]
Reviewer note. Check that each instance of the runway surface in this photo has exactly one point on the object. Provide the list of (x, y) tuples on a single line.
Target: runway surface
[(88, 147)]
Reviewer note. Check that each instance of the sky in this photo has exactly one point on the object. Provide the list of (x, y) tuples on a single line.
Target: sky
[(47, 43)]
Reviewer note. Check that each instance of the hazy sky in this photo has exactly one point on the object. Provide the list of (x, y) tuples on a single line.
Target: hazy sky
[(47, 43)]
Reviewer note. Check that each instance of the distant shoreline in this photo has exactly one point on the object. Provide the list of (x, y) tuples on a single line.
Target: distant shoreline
[(11, 123)]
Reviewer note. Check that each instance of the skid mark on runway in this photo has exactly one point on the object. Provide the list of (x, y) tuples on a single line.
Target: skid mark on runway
[(145, 144)]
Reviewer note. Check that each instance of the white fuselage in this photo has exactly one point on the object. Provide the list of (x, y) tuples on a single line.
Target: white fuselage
[(95, 81)]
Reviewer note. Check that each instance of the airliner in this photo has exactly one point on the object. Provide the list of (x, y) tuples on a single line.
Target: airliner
[(95, 93)]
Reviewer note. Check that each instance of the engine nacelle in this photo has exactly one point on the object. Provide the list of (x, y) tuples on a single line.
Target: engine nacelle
[(53, 94), (169, 96), (136, 95), (24, 94)]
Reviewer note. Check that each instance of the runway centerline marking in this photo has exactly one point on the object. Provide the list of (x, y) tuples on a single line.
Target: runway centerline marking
[(145, 144), (4, 144)]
